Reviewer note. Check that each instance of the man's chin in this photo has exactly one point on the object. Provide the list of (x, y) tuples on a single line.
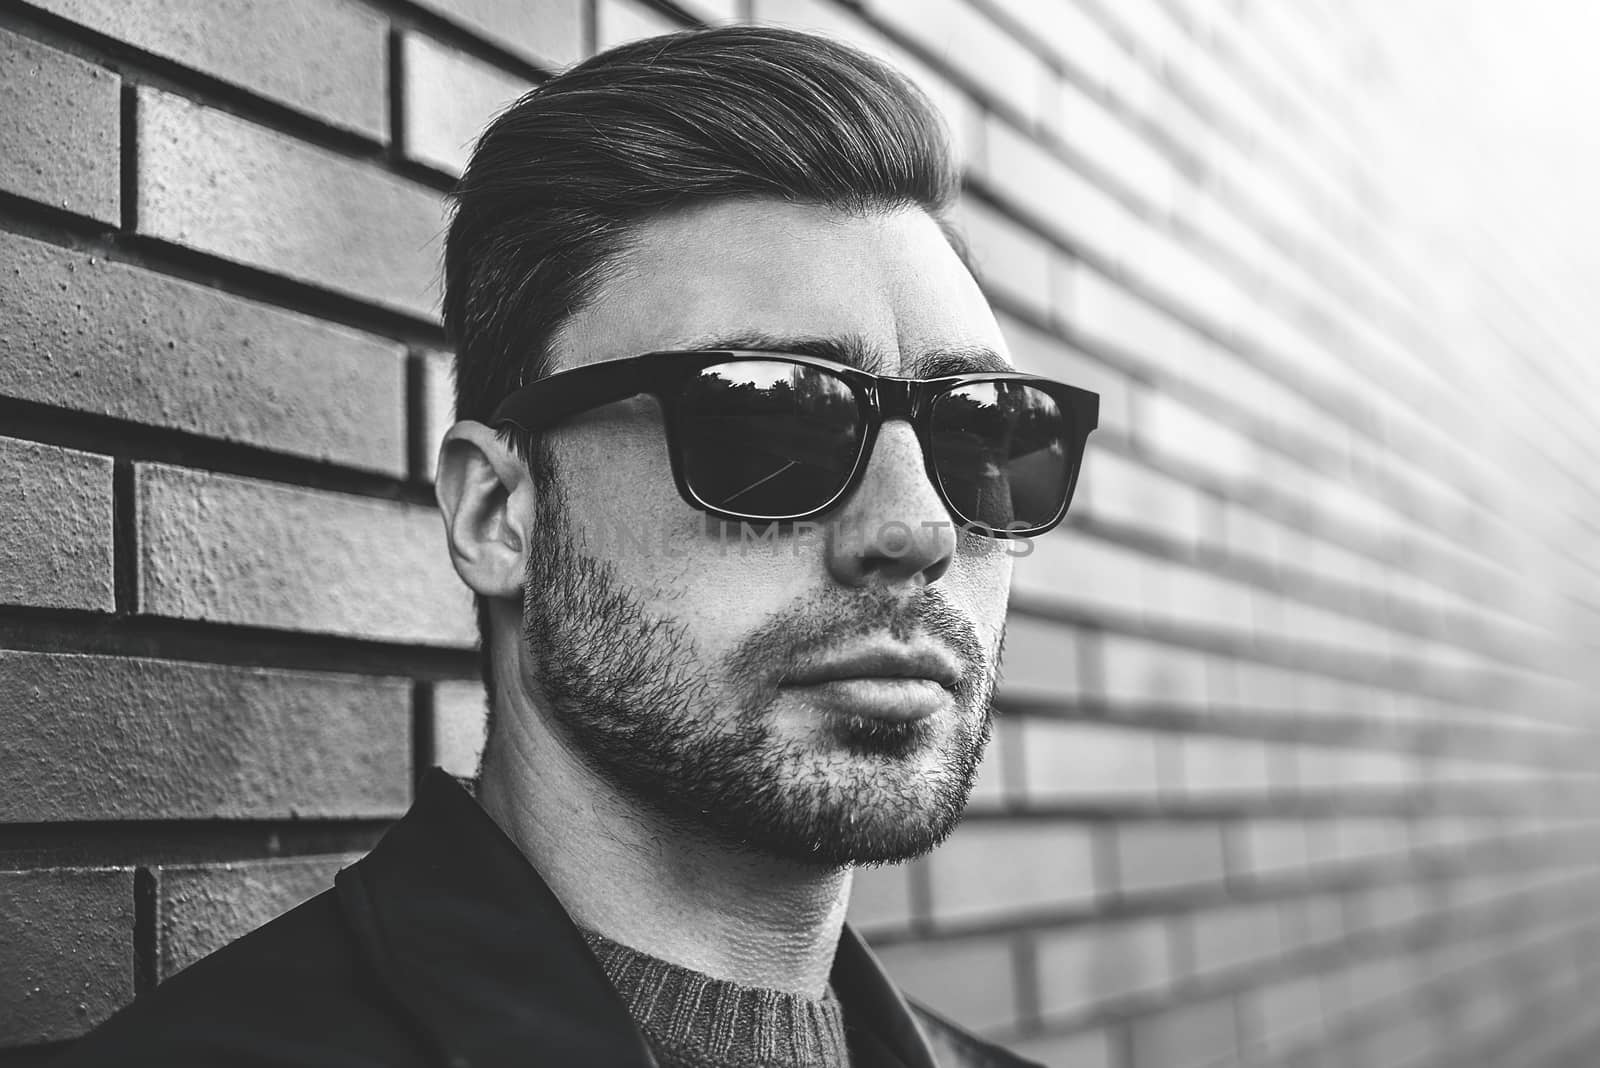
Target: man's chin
[(875, 813), (861, 790), (863, 843)]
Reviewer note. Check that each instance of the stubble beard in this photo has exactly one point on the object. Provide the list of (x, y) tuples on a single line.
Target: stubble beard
[(630, 696)]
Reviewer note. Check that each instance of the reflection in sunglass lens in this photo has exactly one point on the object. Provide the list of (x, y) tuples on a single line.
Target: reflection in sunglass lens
[(1000, 453), (767, 438)]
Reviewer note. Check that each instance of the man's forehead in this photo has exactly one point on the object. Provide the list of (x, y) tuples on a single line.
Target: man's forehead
[(882, 291)]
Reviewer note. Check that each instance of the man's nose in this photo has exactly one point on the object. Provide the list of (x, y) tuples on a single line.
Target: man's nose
[(892, 528)]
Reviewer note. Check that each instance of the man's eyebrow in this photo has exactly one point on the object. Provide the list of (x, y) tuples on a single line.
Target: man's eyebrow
[(854, 351), (849, 349), (959, 361)]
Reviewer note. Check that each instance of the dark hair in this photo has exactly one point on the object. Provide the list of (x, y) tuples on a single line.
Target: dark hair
[(559, 180)]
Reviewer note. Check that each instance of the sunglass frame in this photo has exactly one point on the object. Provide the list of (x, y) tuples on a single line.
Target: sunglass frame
[(544, 404)]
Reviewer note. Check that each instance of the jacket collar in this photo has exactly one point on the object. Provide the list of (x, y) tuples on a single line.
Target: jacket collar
[(468, 939)]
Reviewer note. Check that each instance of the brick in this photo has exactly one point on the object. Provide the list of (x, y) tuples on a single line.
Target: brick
[(712, 12), (1085, 1049), (1110, 143), (1212, 766), (1041, 661), (1251, 534), (68, 938), (1312, 921), (1147, 22), (1185, 278), (202, 907), (1038, 353), (1145, 90), (1056, 194), (1486, 1009), (1268, 847), (548, 32), (1205, 366), (1071, 35), (1195, 598), (1329, 768), (1220, 939), (880, 899), (60, 120), (1088, 967), (962, 37), (1159, 581), (1322, 845), (313, 216), (1069, 205), (1369, 838), (1076, 570), (1285, 56), (326, 58), (1087, 762), (1118, 490), (1197, 1035), (460, 726), (992, 786), (117, 340), (1468, 891), (1314, 695), (1298, 358), (1178, 433), (1010, 261), (1282, 1015), (1109, 313), (55, 527), (1223, 679), (1402, 1042), (620, 21), (1372, 981), (1166, 856), (236, 550), (1377, 767), (1272, 198), (1137, 671), (990, 869), (1395, 905), (447, 100), (1337, 631), (1338, 563), (973, 981), (1197, 207), (114, 738)]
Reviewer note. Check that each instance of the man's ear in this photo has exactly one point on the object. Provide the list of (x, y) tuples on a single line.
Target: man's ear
[(487, 498)]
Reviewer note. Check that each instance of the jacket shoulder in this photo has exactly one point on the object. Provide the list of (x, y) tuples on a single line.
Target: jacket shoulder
[(294, 991), (956, 1047)]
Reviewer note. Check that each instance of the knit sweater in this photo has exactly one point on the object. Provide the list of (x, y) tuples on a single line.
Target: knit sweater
[(694, 1021)]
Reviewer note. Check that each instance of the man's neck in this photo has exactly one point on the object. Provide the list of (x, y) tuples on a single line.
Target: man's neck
[(638, 880)]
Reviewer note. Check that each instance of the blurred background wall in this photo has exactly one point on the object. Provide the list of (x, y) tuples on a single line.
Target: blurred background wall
[(1297, 751)]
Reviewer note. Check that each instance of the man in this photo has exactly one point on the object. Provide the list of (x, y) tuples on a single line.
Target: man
[(738, 481)]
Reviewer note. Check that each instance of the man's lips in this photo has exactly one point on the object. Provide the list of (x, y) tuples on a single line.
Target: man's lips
[(879, 662), (890, 699)]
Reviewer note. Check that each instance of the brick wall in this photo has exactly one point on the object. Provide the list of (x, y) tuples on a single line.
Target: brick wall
[(1296, 764)]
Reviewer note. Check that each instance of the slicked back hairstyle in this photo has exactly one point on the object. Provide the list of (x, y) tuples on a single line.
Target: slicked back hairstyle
[(560, 179)]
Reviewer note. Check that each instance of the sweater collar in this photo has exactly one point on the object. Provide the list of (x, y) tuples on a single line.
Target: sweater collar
[(481, 955), (694, 1018)]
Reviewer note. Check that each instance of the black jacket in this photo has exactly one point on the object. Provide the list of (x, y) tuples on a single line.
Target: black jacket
[(443, 947)]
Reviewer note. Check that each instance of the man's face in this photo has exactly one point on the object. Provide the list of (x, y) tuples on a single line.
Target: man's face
[(728, 683)]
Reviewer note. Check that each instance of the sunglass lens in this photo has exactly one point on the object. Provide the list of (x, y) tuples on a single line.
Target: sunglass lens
[(1002, 454), (767, 439)]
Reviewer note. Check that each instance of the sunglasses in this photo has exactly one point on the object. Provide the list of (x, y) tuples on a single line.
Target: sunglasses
[(776, 437)]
